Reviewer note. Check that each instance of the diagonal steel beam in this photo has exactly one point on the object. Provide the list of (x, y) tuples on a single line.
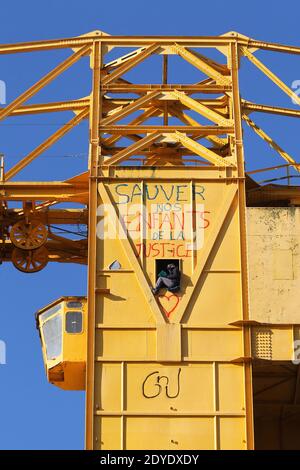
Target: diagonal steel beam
[(138, 120), (132, 149), (263, 68), (130, 108), (46, 144), (200, 150), (186, 119), (201, 109), (269, 140), (130, 64), (121, 60), (43, 82), (221, 68), (201, 65)]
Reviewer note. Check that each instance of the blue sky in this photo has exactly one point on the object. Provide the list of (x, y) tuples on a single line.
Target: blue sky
[(34, 414)]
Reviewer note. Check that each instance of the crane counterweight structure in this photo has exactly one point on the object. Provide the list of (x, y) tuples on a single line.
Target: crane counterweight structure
[(179, 368)]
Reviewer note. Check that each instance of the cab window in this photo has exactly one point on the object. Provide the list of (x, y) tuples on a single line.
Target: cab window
[(74, 304), (74, 322), (52, 331), (49, 312)]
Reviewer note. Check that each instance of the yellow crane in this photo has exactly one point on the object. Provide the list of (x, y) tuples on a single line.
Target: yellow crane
[(170, 368)]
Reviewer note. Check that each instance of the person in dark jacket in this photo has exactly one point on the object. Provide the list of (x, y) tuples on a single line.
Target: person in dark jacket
[(170, 280)]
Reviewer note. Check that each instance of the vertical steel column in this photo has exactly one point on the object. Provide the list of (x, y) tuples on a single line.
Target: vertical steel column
[(234, 58), (95, 110)]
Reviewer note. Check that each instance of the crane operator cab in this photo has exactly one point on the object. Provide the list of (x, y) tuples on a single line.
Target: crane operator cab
[(62, 330)]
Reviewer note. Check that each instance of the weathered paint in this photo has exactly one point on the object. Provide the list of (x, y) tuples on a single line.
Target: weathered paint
[(274, 264)]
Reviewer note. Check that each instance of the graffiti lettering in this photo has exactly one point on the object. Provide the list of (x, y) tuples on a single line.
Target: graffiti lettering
[(166, 207), (163, 235), (154, 220), (162, 250), (180, 221), (153, 380), (140, 222), (175, 192)]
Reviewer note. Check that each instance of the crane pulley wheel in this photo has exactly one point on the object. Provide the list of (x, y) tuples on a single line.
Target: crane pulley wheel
[(29, 235), (30, 261)]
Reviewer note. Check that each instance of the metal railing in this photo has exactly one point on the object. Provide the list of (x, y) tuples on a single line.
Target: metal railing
[(287, 177)]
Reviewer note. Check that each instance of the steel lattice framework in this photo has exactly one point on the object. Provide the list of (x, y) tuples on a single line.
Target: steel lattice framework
[(154, 125)]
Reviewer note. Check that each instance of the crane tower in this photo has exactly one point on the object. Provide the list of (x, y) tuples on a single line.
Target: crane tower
[(193, 366)]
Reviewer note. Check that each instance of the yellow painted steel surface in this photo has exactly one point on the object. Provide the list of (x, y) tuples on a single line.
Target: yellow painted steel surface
[(170, 372), (276, 342)]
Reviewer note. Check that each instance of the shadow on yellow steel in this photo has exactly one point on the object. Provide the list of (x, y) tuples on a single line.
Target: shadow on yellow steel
[(62, 329)]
